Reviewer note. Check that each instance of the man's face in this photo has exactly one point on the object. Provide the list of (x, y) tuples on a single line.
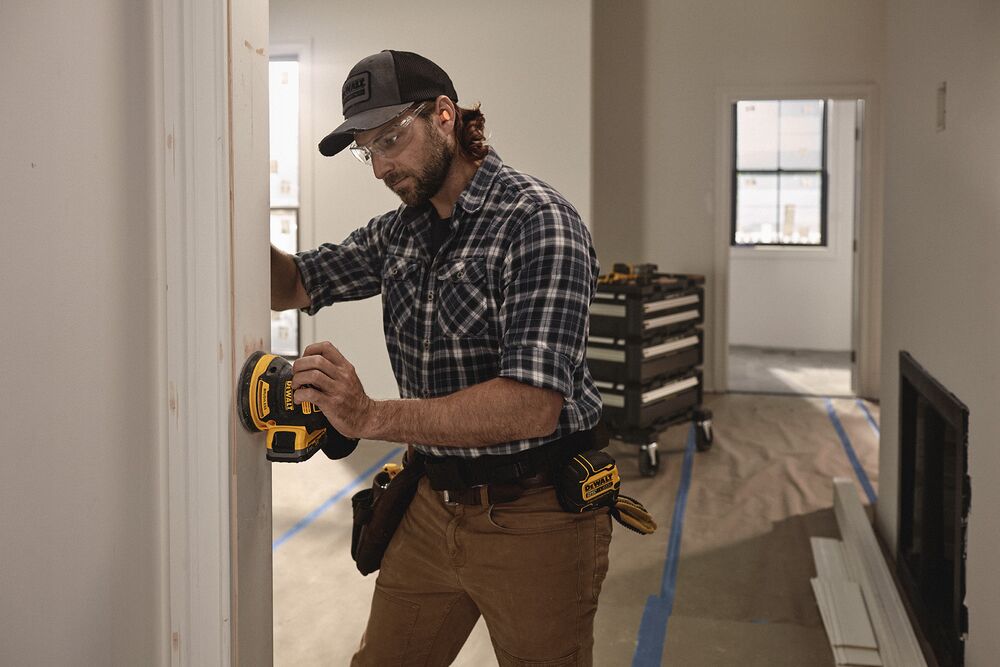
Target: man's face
[(419, 169)]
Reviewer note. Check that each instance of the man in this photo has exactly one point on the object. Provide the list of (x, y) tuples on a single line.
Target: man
[(486, 276)]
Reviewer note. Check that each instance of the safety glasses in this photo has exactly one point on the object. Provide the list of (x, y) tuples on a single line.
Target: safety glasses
[(391, 142)]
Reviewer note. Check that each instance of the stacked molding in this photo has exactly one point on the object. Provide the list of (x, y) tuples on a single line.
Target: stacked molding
[(854, 585), (842, 607)]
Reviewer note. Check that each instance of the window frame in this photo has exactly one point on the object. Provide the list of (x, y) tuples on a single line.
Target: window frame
[(823, 172), (296, 210)]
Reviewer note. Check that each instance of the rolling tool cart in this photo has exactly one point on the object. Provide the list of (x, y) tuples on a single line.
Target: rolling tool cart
[(644, 352)]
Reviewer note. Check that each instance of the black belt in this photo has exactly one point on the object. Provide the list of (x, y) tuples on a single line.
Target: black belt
[(455, 473), (492, 494)]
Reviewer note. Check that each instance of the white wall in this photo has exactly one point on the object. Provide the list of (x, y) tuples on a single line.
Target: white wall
[(80, 554), (658, 68), (527, 62), (800, 298), (942, 243)]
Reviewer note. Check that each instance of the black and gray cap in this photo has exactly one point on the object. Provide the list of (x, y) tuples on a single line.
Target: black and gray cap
[(381, 87)]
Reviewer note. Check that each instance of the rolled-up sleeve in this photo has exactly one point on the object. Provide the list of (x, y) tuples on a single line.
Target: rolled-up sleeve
[(549, 281), (347, 271)]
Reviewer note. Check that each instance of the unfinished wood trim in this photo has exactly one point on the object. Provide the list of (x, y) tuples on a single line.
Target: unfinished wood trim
[(194, 291), (213, 309), (856, 657), (828, 555), (849, 618), (249, 294), (825, 612), (866, 564)]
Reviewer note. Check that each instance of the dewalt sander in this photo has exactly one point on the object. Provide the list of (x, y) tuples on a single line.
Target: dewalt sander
[(294, 432)]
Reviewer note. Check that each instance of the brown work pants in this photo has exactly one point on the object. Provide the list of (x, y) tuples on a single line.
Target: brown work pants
[(532, 570)]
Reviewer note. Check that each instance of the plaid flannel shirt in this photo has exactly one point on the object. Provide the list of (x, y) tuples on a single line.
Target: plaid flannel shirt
[(508, 295)]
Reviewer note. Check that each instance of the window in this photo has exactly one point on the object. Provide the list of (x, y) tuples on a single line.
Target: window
[(284, 121), (779, 173)]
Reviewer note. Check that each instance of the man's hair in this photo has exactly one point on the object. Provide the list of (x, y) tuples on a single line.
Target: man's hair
[(470, 131)]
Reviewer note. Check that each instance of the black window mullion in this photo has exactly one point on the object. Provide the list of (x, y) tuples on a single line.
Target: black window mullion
[(823, 180)]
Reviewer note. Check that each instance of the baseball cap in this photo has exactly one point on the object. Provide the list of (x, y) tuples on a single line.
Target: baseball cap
[(379, 88)]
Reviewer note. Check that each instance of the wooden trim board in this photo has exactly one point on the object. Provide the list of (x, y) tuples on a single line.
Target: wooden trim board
[(849, 618), (866, 565), (829, 557)]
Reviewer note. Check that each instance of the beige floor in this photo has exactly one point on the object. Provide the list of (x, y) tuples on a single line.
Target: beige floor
[(743, 595), (775, 371)]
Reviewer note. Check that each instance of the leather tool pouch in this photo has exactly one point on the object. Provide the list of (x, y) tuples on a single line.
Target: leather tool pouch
[(379, 510)]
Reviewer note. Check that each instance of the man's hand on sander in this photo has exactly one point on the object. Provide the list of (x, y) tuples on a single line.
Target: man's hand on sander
[(324, 377)]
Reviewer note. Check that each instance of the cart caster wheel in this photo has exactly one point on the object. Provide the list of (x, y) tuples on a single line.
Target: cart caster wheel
[(703, 435), (649, 460)]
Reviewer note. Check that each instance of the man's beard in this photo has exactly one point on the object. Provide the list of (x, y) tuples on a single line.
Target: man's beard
[(426, 184)]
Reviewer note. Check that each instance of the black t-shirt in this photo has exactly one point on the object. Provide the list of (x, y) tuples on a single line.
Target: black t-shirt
[(440, 228)]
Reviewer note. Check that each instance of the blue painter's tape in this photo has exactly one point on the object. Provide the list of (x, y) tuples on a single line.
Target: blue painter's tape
[(653, 627), (868, 416), (363, 478), (851, 454), (652, 632)]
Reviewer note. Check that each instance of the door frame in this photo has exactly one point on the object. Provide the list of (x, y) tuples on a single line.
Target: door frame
[(867, 325), (209, 83)]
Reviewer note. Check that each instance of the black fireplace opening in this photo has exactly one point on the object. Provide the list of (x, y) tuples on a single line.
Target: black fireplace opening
[(934, 500)]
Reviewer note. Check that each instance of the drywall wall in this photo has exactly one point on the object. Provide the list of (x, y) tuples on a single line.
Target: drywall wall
[(528, 63), (658, 69), (942, 241), (800, 298), (81, 556)]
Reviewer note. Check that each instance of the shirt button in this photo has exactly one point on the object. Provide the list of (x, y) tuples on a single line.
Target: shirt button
[(427, 343), (426, 393), (430, 296)]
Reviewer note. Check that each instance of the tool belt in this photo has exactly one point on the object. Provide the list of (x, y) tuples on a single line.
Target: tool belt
[(528, 469), (585, 479), (485, 480), (493, 494)]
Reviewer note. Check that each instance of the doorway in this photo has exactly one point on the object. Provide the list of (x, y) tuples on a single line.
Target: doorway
[(791, 270), (798, 242)]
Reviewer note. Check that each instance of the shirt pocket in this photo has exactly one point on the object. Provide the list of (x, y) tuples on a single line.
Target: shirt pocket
[(462, 309), (400, 282)]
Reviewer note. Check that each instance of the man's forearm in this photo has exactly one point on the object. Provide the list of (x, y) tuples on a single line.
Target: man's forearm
[(500, 410), (287, 290)]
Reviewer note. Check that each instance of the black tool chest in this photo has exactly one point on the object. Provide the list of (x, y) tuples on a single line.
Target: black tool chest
[(645, 351)]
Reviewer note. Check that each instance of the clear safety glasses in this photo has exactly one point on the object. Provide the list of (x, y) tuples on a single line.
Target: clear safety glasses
[(391, 142)]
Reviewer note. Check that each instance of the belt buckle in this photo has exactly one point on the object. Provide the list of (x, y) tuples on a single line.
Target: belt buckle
[(446, 495)]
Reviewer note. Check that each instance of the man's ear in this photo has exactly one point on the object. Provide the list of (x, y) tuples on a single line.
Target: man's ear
[(446, 110)]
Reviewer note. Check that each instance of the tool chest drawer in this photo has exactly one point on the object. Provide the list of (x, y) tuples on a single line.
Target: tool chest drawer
[(622, 315), (618, 360), (637, 407)]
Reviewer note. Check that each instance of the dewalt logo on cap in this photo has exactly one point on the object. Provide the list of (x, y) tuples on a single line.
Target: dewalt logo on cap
[(356, 89)]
